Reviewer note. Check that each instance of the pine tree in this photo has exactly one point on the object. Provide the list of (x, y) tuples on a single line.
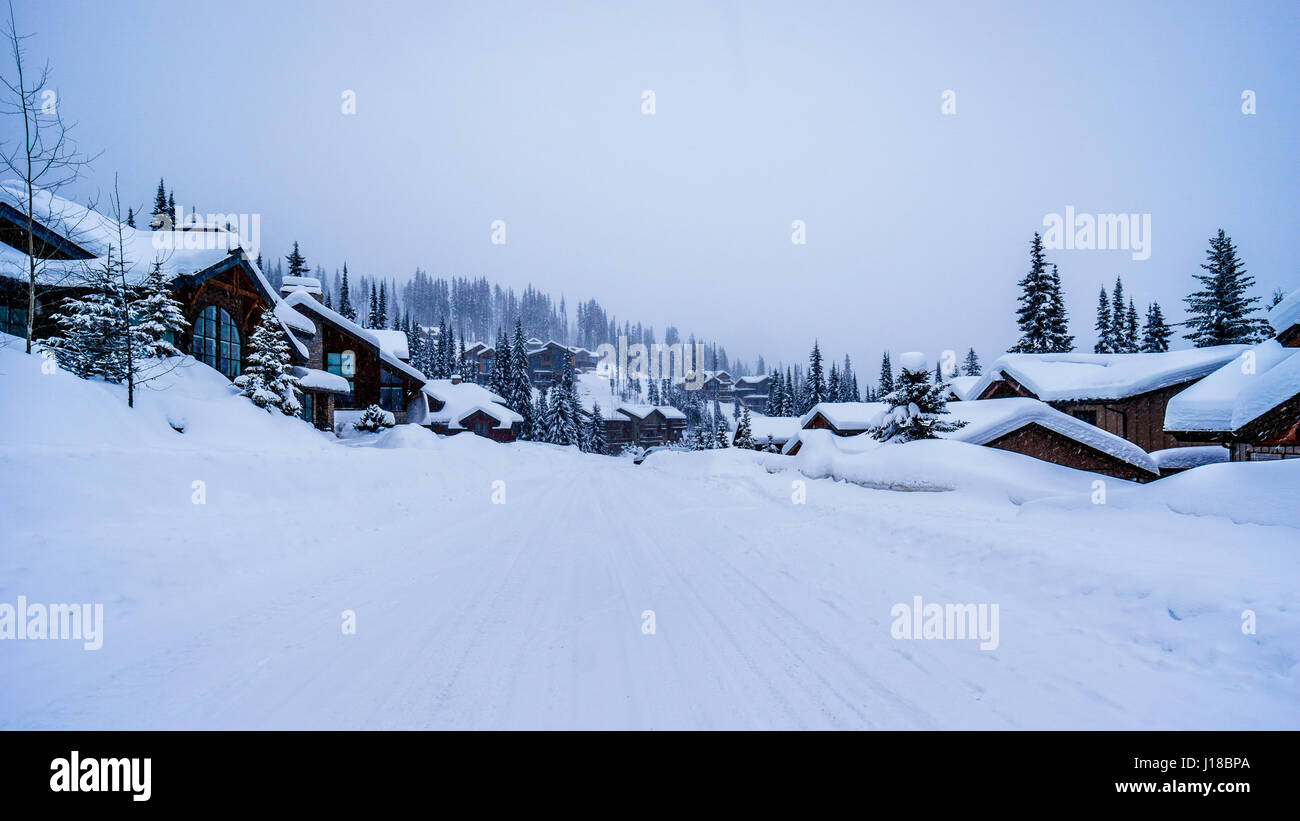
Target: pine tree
[(916, 407), (721, 438), (297, 263), (90, 342), (972, 365), (938, 374), (745, 431), (171, 210), (1155, 334), (816, 388), (373, 419), (1131, 343), (596, 442), (1103, 325), (520, 385), (267, 380), (1037, 304), (372, 318), (1059, 338), (1220, 312), (1278, 296), (155, 315), (130, 217), (345, 297), (383, 308), (773, 406), (886, 375), (788, 398), (159, 219)]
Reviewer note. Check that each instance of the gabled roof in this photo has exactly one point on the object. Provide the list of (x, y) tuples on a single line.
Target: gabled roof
[(393, 341), (990, 419), (642, 411), (1060, 377), (301, 299), (846, 415), (1286, 314), (961, 386), (780, 428), (1239, 392), (464, 399)]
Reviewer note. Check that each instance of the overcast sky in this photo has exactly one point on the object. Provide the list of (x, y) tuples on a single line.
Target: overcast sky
[(918, 222)]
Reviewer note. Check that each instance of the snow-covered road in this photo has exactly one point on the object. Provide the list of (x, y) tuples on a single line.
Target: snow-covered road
[(529, 613)]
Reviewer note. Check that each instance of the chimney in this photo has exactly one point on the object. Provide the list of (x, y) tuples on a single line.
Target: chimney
[(455, 379), (309, 284)]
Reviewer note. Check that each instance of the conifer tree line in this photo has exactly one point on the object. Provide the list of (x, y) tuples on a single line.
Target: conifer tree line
[(1221, 311)]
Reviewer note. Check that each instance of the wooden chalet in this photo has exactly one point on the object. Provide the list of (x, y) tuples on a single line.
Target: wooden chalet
[(751, 391), (375, 373), (1252, 404), (1123, 394), (546, 362), (644, 426), (454, 406)]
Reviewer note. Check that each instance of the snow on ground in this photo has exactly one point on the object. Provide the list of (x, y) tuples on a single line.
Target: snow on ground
[(528, 614)]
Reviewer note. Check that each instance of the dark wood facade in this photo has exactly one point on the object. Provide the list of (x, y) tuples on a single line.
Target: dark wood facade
[(1048, 445), (1139, 418), (653, 429)]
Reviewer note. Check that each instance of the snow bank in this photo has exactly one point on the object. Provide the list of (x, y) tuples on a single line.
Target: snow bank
[(405, 436), (1189, 457), (1262, 493), (933, 465)]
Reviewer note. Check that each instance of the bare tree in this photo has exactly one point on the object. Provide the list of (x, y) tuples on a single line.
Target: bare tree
[(45, 159)]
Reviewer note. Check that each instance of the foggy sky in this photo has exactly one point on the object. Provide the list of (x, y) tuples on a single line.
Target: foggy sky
[(918, 223)]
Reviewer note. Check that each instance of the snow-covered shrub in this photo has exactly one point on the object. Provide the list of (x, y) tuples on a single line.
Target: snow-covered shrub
[(373, 419), (916, 405)]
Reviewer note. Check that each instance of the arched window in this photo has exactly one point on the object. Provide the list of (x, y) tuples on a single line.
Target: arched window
[(216, 341)]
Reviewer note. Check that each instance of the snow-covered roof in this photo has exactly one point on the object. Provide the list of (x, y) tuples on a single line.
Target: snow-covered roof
[(463, 399), (846, 415), (642, 411), (779, 428), (309, 284), (961, 386), (1286, 313), (1055, 377), (318, 380), (752, 380), (395, 342), (1189, 457), (301, 299), (1238, 392)]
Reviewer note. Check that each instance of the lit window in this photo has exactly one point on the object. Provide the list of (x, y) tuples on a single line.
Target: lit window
[(334, 364)]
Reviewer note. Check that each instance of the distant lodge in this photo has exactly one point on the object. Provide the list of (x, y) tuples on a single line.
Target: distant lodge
[(1135, 416)]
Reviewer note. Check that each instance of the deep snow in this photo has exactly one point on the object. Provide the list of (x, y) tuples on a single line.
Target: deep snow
[(529, 613)]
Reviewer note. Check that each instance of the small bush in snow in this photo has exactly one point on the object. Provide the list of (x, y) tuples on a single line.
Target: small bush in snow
[(373, 419)]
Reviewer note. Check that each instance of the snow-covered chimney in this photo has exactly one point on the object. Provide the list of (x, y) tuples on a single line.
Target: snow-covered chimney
[(455, 379), (309, 284)]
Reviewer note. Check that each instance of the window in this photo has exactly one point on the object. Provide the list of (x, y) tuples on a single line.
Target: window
[(334, 364), (13, 320), (483, 427), (216, 341), (1088, 416), (308, 412), (390, 391)]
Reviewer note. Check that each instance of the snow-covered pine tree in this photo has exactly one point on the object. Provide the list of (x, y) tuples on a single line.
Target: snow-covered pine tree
[(1118, 315), (267, 380), (773, 404), (596, 442), (345, 297), (916, 407), (745, 431), (886, 375), (1034, 316), (1220, 312), (520, 387), (972, 367), (938, 374), (1103, 325), (1155, 333), (815, 391), (1060, 340), (1131, 341), (1278, 296), (155, 315), (159, 219), (373, 419), (297, 263), (833, 384), (381, 321), (721, 435), (90, 341)]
